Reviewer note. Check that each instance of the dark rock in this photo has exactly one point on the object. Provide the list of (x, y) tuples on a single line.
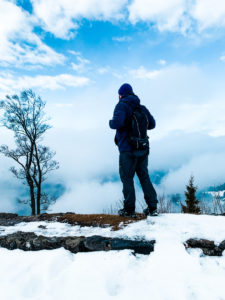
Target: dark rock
[(99, 243), (8, 215), (29, 241), (42, 217), (7, 219), (202, 243), (42, 226), (73, 244), (142, 247), (222, 245), (208, 247)]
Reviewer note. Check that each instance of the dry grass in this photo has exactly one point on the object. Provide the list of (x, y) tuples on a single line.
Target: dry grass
[(96, 220), (99, 220)]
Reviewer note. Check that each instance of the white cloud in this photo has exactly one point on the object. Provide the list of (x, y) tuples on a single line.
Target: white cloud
[(209, 13), (18, 44), (10, 83), (179, 15), (166, 14), (81, 63), (75, 53), (60, 17), (143, 73), (89, 197)]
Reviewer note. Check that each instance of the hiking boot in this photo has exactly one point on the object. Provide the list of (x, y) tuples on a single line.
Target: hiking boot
[(123, 213), (150, 212)]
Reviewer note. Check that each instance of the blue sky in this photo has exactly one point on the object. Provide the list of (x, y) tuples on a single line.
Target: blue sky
[(123, 36), (76, 54)]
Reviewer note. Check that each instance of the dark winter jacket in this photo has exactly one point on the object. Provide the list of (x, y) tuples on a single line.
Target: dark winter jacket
[(122, 114)]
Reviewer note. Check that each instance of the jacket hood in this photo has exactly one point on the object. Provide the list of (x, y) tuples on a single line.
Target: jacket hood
[(131, 100)]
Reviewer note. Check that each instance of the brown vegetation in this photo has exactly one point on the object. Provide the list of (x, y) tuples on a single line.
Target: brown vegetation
[(101, 220), (96, 220)]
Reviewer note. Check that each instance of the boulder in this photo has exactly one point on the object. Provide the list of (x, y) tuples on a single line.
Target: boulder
[(29, 241), (208, 247)]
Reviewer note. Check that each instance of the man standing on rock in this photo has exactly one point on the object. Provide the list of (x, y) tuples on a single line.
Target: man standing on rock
[(131, 121)]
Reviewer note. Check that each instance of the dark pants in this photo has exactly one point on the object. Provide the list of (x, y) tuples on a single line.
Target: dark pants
[(129, 164)]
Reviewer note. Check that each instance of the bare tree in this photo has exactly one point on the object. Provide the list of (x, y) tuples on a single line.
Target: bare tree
[(25, 116), (204, 206), (218, 206), (165, 204)]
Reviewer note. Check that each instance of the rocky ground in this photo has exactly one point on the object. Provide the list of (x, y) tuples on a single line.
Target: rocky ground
[(30, 241), (94, 220)]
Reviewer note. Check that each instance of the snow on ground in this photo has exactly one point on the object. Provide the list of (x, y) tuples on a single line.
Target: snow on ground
[(169, 273)]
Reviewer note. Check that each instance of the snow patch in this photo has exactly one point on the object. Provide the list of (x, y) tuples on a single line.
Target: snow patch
[(169, 273)]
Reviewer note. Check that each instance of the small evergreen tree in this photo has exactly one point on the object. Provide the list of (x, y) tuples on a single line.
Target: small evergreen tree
[(191, 200)]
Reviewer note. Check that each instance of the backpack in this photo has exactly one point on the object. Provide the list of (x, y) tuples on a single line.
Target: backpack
[(137, 129)]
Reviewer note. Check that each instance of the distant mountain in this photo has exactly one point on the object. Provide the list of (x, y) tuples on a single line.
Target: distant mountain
[(218, 188)]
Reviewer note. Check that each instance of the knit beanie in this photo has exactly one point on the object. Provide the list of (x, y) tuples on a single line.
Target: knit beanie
[(125, 89)]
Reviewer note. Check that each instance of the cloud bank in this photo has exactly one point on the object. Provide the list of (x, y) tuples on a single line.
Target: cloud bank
[(10, 83), (189, 137)]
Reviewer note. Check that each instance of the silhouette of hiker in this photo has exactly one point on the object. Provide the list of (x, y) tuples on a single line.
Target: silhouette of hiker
[(131, 121)]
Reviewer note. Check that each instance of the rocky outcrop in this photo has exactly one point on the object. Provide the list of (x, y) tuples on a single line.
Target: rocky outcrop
[(8, 219), (94, 220), (208, 247), (29, 241)]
